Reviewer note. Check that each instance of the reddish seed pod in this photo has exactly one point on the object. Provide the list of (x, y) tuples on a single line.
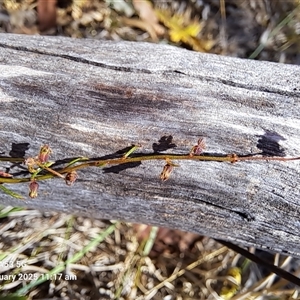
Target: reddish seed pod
[(198, 149), (33, 189), (167, 170), (165, 174), (71, 177), (44, 154), (3, 174)]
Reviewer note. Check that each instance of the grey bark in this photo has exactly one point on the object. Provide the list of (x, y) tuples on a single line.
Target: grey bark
[(93, 98)]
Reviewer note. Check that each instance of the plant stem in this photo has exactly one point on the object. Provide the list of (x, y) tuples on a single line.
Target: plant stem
[(124, 160)]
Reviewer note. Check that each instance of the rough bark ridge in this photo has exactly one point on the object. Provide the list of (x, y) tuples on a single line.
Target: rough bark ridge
[(93, 98)]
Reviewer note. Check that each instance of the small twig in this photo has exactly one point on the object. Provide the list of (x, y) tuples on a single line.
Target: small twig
[(50, 170)]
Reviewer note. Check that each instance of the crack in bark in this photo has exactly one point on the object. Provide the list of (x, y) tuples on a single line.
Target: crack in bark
[(78, 59), (163, 72), (236, 84)]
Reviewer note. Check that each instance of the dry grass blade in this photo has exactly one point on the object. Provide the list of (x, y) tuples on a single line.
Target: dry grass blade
[(179, 273)]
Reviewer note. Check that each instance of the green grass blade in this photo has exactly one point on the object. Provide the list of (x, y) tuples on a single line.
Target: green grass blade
[(60, 268), (4, 212), (150, 241), (10, 192), (275, 31)]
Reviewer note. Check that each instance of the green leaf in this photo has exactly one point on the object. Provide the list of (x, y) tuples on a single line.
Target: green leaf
[(76, 160), (10, 192)]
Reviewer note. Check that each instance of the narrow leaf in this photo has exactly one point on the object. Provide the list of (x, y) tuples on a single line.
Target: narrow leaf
[(76, 160), (10, 192)]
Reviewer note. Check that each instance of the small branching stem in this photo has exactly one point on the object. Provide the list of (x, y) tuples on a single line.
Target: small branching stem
[(232, 158), (51, 171)]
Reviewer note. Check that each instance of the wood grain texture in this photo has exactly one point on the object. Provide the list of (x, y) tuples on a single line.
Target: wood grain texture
[(93, 98)]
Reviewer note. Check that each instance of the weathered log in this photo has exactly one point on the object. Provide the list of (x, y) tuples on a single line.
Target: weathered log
[(93, 98)]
